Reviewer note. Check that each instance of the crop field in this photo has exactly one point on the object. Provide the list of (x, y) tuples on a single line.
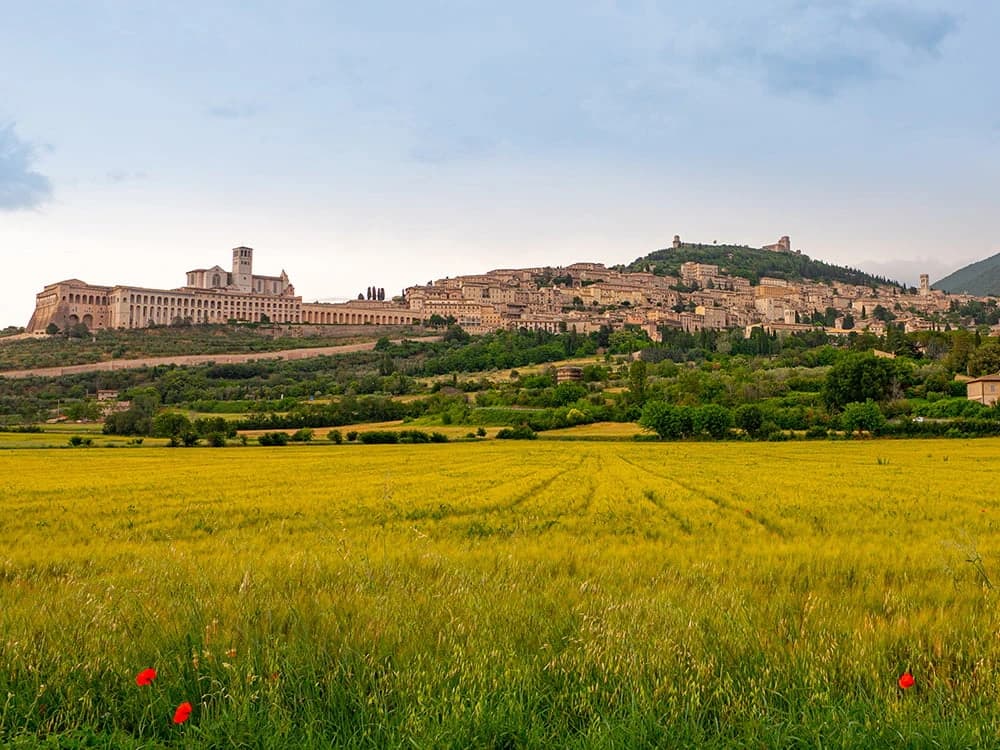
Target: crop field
[(502, 594)]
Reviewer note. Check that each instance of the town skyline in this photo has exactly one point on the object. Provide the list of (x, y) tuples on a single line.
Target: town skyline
[(912, 280), (686, 294)]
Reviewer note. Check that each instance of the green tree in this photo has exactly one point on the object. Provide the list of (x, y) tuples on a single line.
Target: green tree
[(713, 419), (172, 424), (984, 360), (667, 420), (637, 380), (749, 418), (962, 345), (858, 377), (138, 418), (863, 417), (568, 392)]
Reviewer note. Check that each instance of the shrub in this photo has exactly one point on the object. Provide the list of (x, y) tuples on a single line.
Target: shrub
[(305, 435), (273, 438), (414, 436), (378, 437), (523, 432), (216, 439), (335, 436), (352, 435)]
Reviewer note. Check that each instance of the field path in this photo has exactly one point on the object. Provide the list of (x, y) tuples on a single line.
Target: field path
[(196, 359)]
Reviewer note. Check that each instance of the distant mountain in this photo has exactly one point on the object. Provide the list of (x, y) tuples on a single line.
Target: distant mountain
[(981, 278), (752, 263)]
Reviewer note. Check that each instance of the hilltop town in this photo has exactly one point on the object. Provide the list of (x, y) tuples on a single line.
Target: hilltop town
[(581, 297)]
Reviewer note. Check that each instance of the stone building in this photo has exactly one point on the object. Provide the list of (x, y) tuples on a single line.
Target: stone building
[(985, 390), (211, 295)]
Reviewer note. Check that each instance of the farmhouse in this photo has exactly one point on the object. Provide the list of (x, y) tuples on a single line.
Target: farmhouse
[(985, 390)]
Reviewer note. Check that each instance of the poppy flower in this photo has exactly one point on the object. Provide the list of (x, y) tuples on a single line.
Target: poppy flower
[(906, 680), (145, 677), (182, 713)]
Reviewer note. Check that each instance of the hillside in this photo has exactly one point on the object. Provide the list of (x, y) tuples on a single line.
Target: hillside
[(173, 341), (752, 263), (981, 278)]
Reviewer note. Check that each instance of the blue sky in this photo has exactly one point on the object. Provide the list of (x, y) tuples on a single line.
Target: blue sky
[(389, 143)]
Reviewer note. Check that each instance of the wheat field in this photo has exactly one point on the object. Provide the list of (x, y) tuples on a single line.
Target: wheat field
[(502, 594)]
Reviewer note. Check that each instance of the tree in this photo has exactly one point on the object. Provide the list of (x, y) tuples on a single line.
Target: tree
[(52, 329), (863, 417), (637, 379), (961, 348), (171, 424), (666, 420), (749, 418), (138, 419), (713, 419), (78, 331), (984, 360), (858, 377)]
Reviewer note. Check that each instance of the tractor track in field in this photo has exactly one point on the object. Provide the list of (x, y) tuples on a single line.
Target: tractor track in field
[(719, 502)]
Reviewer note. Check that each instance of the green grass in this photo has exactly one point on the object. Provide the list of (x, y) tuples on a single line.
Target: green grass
[(578, 594)]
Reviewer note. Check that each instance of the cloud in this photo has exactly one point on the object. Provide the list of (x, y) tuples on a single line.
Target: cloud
[(234, 111), (920, 30), (824, 73), (824, 48), (21, 187)]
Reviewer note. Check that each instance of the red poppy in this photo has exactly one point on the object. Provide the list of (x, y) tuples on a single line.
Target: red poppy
[(145, 677), (906, 680), (182, 713)]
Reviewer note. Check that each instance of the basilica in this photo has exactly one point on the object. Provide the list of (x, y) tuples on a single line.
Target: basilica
[(211, 295)]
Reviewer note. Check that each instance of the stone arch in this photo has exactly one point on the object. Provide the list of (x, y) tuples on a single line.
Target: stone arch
[(72, 320), (88, 320)]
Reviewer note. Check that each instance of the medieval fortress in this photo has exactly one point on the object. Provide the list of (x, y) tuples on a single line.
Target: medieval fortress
[(582, 297)]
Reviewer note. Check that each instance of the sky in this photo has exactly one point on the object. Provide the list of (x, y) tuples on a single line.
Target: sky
[(391, 143)]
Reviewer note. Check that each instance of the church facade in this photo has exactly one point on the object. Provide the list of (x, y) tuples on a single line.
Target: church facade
[(211, 295)]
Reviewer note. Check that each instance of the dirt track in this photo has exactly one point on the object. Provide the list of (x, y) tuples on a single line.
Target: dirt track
[(193, 359)]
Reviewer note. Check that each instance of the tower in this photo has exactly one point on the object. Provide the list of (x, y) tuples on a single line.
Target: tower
[(925, 285), (243, 269), (677, 241)]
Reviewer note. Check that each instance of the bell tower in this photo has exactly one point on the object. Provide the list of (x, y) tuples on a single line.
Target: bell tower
[(243, 269)]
